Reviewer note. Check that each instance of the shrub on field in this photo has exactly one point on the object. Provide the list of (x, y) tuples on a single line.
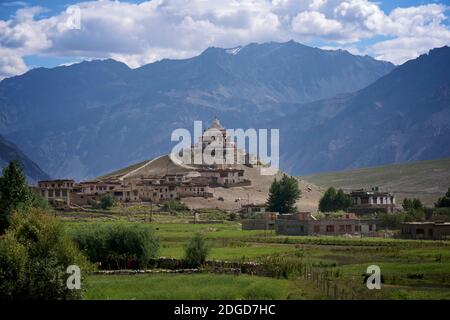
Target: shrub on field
[(391, 220), (34, 255), (106, 202), (118, 246), (174, 205), (196, 251), (232, 216), (442, 214)]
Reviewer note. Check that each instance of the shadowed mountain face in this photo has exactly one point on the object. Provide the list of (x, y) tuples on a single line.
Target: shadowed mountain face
[(403, 116), (9, 152), (91, 118)]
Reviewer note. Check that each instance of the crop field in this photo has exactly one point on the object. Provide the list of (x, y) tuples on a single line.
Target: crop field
[(301, 267)]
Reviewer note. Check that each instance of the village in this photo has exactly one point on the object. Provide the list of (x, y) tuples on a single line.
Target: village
[(160, 180)]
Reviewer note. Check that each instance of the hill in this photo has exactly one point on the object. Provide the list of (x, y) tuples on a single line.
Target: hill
[(426, 180), (86, 119), (233, 197), (9, 152)]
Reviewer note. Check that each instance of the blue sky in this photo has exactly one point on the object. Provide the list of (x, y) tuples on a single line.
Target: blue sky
[(38, 33)]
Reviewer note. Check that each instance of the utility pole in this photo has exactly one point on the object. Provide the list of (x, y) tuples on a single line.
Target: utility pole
[(151, 212)]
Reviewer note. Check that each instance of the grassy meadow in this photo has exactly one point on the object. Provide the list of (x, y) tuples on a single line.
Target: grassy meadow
[(410, 269), (426, 180)]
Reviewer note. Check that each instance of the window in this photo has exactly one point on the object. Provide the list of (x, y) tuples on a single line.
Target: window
[(330, 228), (341, 228), (357, 228), (348, 228)]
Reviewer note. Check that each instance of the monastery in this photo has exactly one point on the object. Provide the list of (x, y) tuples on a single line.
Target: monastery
[(153, 181)]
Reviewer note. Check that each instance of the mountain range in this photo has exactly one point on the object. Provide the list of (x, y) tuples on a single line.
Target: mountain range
[(9, 152), (334, 109), (403, 116)]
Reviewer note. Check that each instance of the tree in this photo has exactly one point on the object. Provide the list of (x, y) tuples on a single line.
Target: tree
[(106, 202), (283, 194), (333, 200), (34, 255), (444, 202), (412, 204), (196, 251), (14, 193), (343, 200)]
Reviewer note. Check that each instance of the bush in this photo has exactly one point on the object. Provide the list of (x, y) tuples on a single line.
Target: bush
[(232, 216), (174, 205), (196, 251), (106, 202), (34, 255), (118, 246), (392, 221), (439, 214)]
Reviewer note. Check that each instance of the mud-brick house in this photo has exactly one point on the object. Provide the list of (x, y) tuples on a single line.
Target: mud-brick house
[(250, 209), (261, 221), (226, 177), (56, 190), (425, 230), (302, 224), (372, 201)]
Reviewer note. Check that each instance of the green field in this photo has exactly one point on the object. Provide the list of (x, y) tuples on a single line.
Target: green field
[(426, 180), (410, 269), (191, 287)]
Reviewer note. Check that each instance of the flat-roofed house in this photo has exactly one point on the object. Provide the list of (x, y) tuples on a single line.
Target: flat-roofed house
[(373, 201), (248, 210), (306, 224), (425, 230), (56, 190), (261, 221)]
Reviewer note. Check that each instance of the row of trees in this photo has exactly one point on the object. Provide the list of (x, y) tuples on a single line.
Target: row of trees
[(285, 192)]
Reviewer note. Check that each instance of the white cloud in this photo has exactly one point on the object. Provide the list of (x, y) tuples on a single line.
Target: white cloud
[(314, 23), (10, 63), (145, 32), (402, 49)]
